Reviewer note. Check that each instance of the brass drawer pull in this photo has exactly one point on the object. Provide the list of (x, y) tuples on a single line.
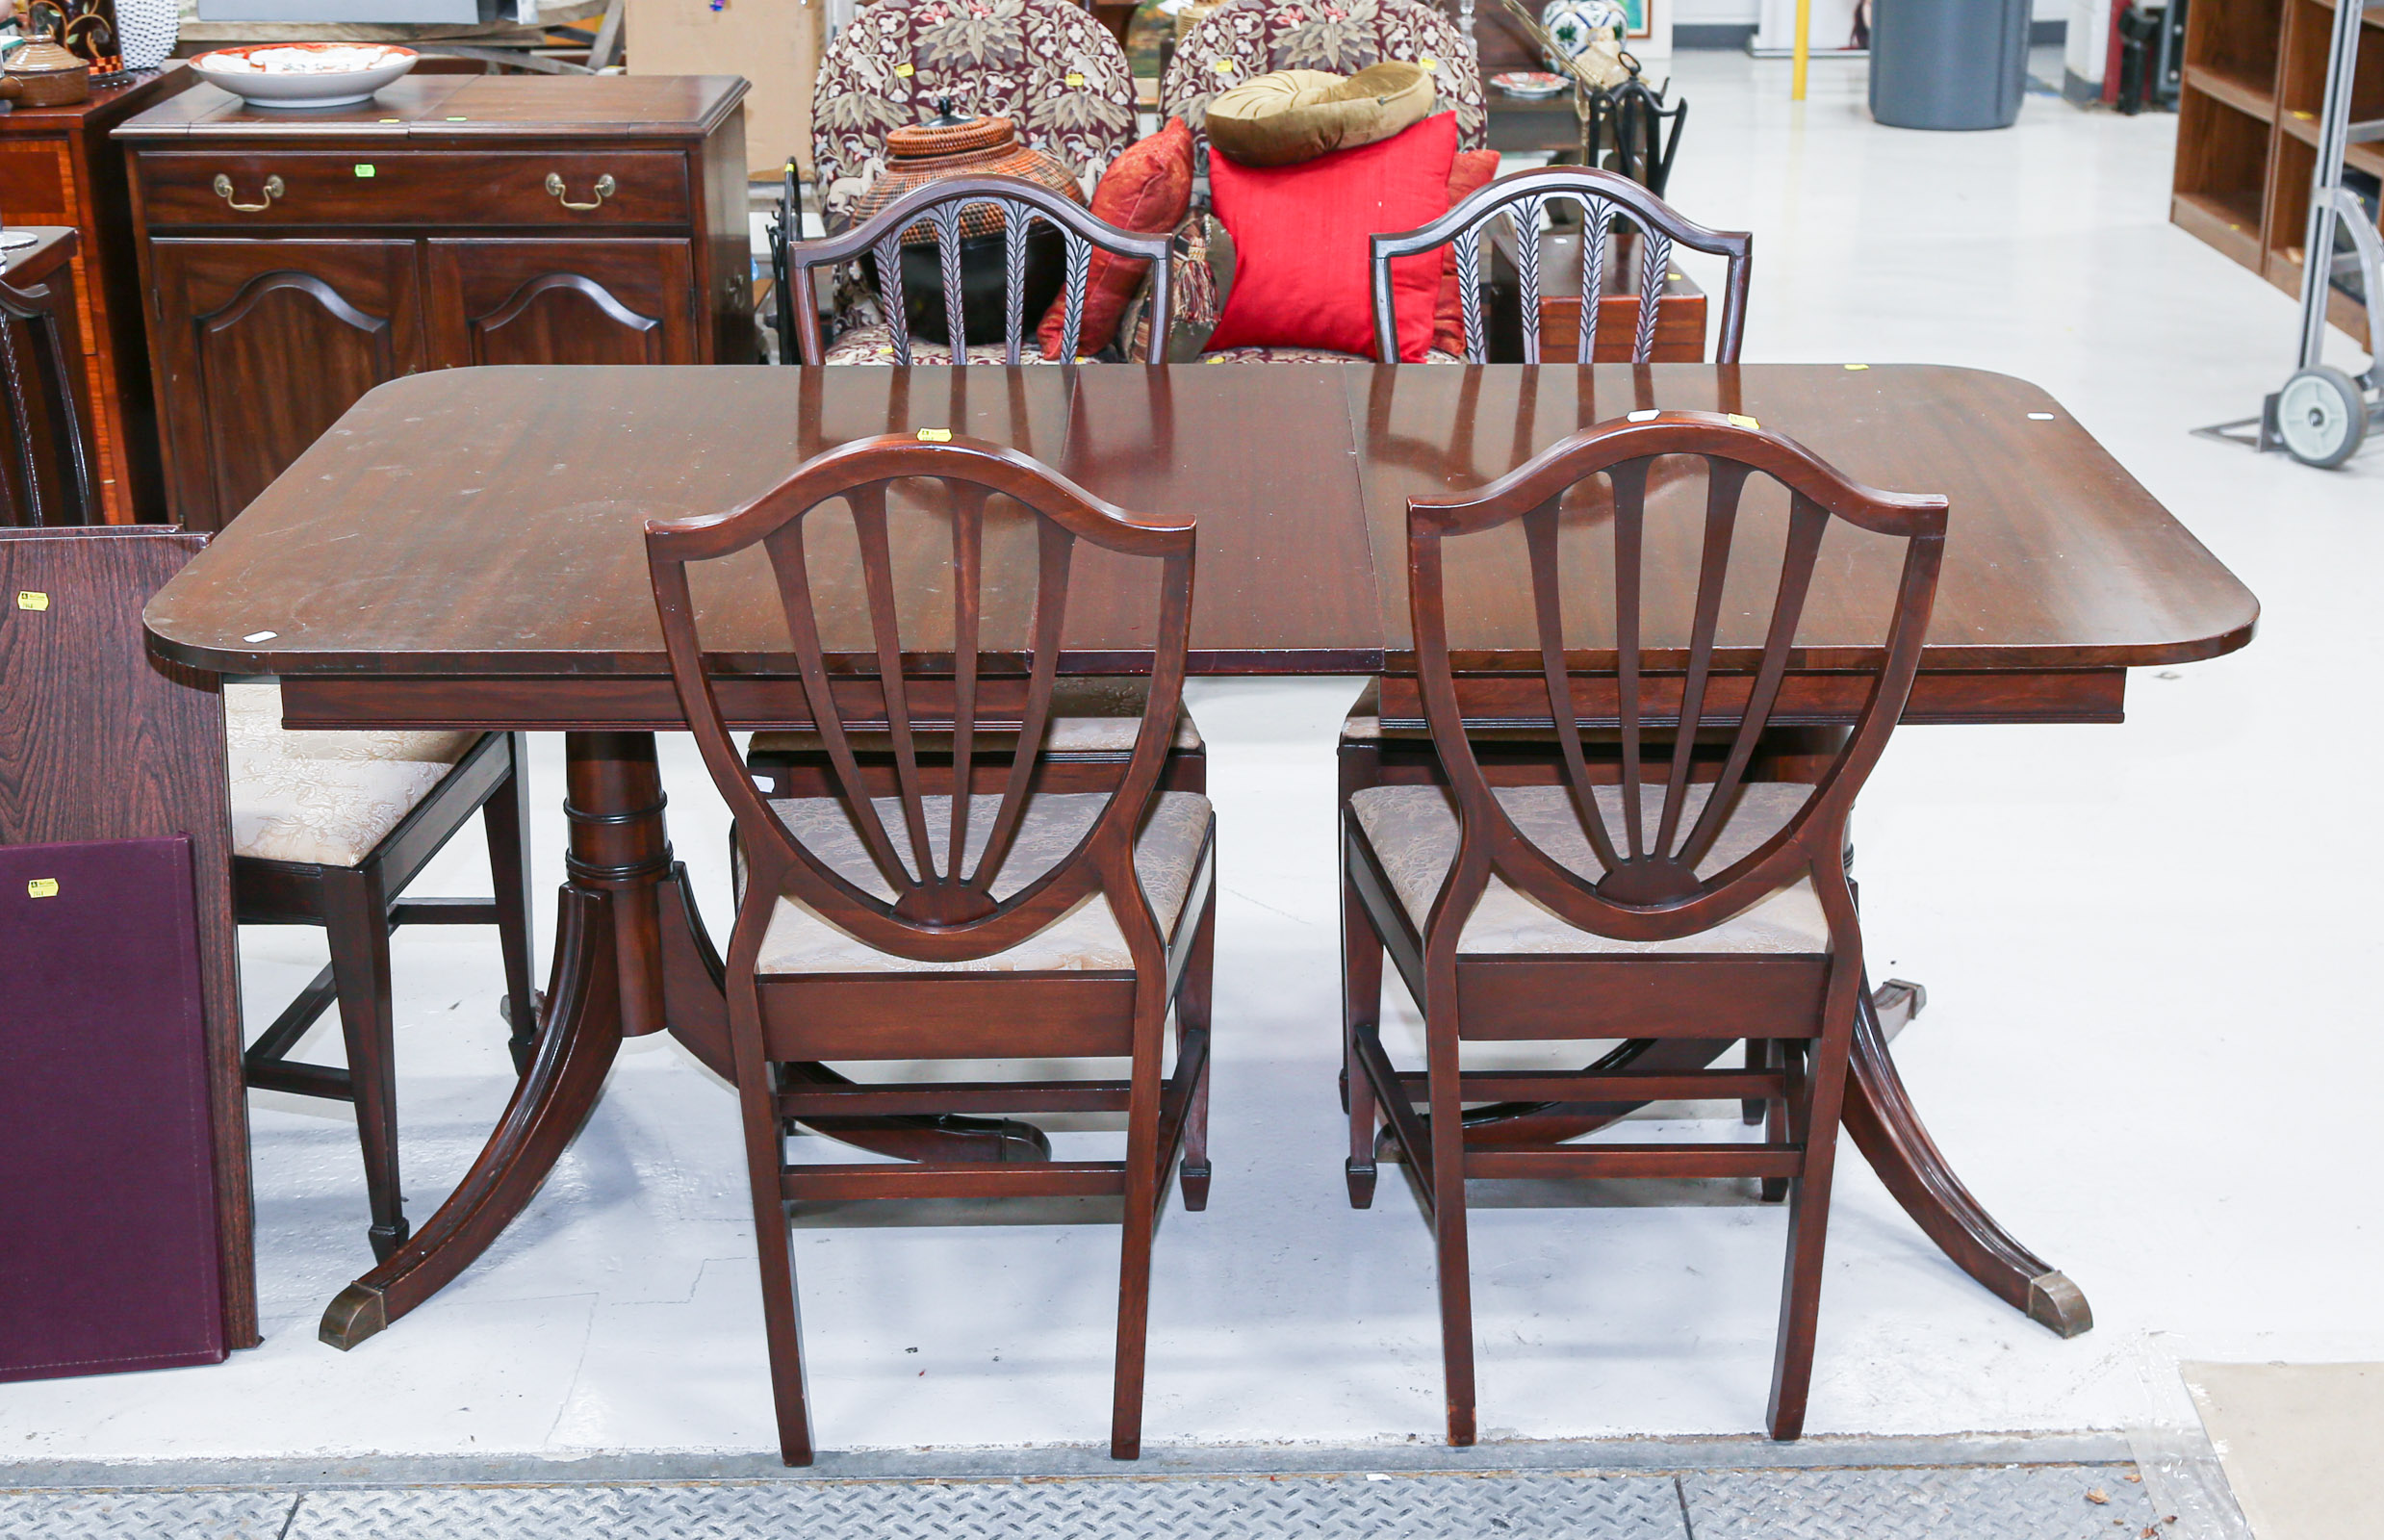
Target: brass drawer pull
[(604, 187), (274, 189)]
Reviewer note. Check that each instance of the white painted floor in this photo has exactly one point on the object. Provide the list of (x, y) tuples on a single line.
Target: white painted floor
[(2144, 945)]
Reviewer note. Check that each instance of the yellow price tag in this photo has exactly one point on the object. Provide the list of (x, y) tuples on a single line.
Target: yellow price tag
[(935, 435), (31, 599), (1429, 62), (1857, 366), (1737, 420), (904, 70), (1075, 79), (1224, 66), (41, 887)]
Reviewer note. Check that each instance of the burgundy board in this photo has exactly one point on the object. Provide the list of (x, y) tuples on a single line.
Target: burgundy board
[(108, 1253)]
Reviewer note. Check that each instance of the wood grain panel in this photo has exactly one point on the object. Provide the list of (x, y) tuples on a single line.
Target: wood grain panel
[(232, 314), (99, 741), (616, 301)]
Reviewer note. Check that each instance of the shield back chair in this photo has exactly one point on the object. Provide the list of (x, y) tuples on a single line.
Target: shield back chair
[(1652, 904), (952, 210), (1008, 922), (1622, 222), (1650, 230)]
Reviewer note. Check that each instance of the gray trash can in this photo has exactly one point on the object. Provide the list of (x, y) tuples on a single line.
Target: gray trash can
[(1948, 64)]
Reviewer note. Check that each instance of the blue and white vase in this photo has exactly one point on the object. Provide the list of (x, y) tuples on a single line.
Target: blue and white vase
[(1572, 25)]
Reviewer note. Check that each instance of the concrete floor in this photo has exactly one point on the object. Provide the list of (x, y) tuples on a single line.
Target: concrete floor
[(2136, 979)]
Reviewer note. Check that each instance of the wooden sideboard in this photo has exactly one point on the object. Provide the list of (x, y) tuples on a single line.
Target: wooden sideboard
[(58, 168), (296, 260)]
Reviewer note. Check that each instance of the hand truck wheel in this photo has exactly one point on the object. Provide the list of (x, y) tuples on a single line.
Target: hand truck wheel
[(2322, 417)]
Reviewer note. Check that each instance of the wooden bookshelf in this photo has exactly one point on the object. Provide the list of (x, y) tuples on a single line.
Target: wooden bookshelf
[(2255, 76)]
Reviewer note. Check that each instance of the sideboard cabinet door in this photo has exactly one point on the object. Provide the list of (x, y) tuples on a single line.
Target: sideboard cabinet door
[(264, 343), (546, 301)]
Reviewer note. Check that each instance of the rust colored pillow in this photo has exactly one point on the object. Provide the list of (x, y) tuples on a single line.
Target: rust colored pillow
[(1471, 171), (1146, 189), (1301, 275)]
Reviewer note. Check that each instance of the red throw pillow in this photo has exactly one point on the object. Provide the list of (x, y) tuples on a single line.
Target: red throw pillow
[(1471, 171), (1300, 253), (1145, 190)]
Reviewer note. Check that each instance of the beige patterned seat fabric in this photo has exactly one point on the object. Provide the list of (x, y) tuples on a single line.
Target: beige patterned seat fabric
[(1088, 716), (324, 798), (1413, 831), (1167, 854)]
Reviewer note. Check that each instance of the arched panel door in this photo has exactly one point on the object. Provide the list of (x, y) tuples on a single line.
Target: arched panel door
[(264, 344), (611, 301)]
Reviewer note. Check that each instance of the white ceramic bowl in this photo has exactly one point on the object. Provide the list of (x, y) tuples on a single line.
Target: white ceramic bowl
[(329, 87)]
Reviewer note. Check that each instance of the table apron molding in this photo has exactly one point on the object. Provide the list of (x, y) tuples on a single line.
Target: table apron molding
[(629, 704)]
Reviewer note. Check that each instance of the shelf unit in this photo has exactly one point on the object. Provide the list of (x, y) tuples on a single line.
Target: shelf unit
[(2255, 76)]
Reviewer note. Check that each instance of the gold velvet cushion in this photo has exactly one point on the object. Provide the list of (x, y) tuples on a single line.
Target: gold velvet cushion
[(1297, 115), (1413, 831), (324, 798), (1091, 715), (1166, 855)]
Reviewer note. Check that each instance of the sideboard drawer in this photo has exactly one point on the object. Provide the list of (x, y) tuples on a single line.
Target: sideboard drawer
[(579, 188)]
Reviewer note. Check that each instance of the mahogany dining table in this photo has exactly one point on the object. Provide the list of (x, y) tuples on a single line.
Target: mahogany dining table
[(464, 549)]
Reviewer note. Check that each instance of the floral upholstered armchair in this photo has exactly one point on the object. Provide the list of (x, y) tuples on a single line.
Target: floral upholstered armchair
[(1047, 65), (1245, 39)]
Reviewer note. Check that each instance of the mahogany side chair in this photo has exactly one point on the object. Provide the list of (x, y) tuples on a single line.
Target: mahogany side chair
[(1663, 904), (970, 913), (958, 209), (1605, 197), (328, 828)]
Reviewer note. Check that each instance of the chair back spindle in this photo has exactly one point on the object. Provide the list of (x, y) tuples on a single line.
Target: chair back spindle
[(939, 207), (942, 866), (1653, 883), (1523, 199)]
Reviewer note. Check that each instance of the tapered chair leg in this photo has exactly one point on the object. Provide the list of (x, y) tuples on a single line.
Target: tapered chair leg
[(1191, 1014), (1361, 1007), (1450, 1252), (355, 919), (781, 1309), (1134, 1262), (506, 816), (1800, 1299)]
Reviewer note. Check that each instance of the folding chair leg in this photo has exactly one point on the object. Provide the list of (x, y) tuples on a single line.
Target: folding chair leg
[(1191, 1014), (504, 817), (1361, 1006), (356, 921)]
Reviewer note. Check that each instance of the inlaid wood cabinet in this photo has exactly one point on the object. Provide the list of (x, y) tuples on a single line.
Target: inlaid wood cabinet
[(295, 263)]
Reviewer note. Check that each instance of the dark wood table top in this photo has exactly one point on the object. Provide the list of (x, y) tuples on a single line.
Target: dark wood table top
[(475, 533), (460, 107)]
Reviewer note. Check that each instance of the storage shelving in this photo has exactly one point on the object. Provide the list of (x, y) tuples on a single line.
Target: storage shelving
[(2255, 72)]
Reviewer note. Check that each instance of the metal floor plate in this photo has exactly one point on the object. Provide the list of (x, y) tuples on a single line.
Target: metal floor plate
[(2086, 1502)]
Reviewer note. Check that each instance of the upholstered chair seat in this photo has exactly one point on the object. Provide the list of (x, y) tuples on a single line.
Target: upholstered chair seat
[(1166, 855), (327, 799), (1412, 831)]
